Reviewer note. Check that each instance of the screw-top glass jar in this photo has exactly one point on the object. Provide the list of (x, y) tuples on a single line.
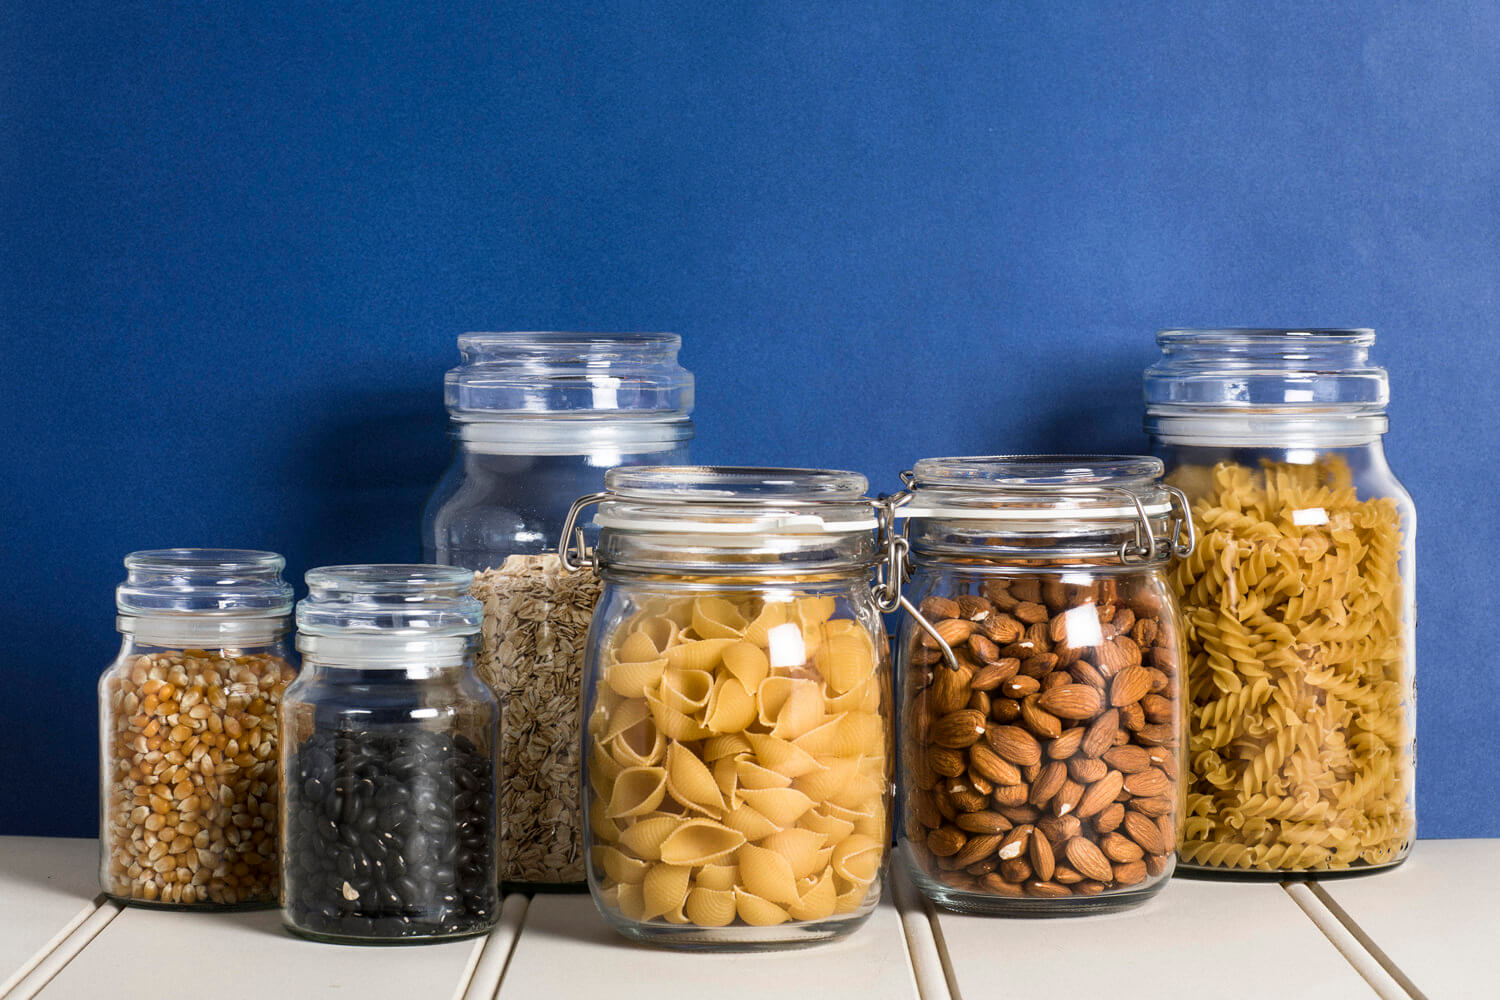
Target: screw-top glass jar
[(537, 419), (737, 762), (1041, 707), (389, 800), (1299, 601), (188, 729)]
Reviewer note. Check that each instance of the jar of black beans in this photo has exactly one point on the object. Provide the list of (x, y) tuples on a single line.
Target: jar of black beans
[(389, 794)]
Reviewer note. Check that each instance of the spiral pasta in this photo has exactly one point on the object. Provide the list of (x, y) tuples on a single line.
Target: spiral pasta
[(1299, 725), (738, 763)]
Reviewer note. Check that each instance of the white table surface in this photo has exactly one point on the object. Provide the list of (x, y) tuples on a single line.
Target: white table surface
[(1426, 930)]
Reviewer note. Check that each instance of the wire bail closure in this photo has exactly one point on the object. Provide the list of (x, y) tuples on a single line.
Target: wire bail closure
[(572, 539), (895, 568)]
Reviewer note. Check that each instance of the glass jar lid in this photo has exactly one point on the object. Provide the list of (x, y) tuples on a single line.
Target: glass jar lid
[(204, 583), (691, 515), (1088, 506), (1261, 386), (394, 601)]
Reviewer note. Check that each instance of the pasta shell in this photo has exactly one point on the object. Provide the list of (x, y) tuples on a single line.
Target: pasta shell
[(600, 825), (858, 792), (748, 663), (686, 690), (782, 806), (802, 711), (700, 842), (691, 783), (662, 632), (618, 865), (773, 694), (718, 876), (727, 779), (863, 697), (757, 912), (803, 850), (749, 821), (832, 828), (603, 769), (641, 745), (857, 859), (813, 611), (782, 756), (637, 791), (638, 647), (751, 775), (628, 713), (629, 897), (664, 890), (817, 898), (846, 660), (822, 786), (851, 899), (710, 907), (634, 679), (826, 739), (868, 819), (785, 646), (771, 615), (674, 724), (702, 654), (716, 618), (731, 709), (644, 837), (767, 874), (725, 745)]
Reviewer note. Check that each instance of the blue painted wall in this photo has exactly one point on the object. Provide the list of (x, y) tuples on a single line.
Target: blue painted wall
[(238, 241)]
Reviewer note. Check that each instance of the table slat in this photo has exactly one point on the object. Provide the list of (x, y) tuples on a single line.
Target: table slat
[(48, 887), (1194, 940), (1434, 919), (567, 952)]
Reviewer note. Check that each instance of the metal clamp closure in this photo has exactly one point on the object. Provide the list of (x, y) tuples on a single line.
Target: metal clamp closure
[(896, 567), (572, 539), (1182, 518)]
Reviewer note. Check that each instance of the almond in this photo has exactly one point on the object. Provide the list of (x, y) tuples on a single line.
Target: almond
[(1036, 636), (1123, 622), (1154, 805), (1130, 873), (949, 690), (1013, 743), (983, 822), (1085, 673), (1048, 783), (1023, 813), (1020, 686), (1054, 594), (1044, 724), (1040, 853), (964, 796), (951, 630), (979, 702), (997, 886), (992, 675), (1132, 717), (1144, 831), (1009, 796), (1066, 745), (1129, 685), (1087, 770), (1118, 847), (1073, 701), (1002, 629), (1038, 665), (1047, 890), (1031, 613), (1086, 859), (946, 841), (1013, 844), (936, 608), (973, 607), (1059, 828), (1065, 875), (983, 649), (1015, 870), (1149, 783), (946, 761), (1067, 797), (977, 849), (1100, 794), (959, 729), (1056, 679), (1156, 864), (926, 810), (1101, 734), (1129, 759), (1109, 818), (992, 766), (1156, 734), (1005, 709), (1144, 632)]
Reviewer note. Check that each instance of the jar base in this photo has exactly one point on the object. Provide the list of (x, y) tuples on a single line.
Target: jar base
[(155, 904), (324, 937), (782, 937), (1200, 873), (544, 888)]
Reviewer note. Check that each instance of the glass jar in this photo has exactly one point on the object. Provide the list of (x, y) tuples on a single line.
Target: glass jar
[(188, 730), (537, 419), (737, 763), (1300, 601), (1041, 725), (389, 801)]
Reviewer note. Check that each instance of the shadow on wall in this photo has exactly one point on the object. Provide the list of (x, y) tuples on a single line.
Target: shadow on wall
[(368, 474)]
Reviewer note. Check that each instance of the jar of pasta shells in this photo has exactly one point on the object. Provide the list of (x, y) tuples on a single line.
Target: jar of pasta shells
[(737, 765), (1299, 602), (1041, 722), (536, 420), (188, 731)]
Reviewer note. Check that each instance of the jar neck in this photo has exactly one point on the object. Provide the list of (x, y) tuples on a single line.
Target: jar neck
[(575, 436), (1210, 427), (195, 632), (673, 554), (397, 654)]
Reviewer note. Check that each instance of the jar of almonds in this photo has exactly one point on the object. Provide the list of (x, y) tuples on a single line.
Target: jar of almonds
[(188, 730), (1041, 732)]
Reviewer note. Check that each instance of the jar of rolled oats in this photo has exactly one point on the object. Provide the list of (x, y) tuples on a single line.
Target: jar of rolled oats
[(537, 419), (188, 730)]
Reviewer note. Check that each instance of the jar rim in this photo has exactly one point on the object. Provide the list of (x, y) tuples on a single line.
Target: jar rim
[(734, 483), (399, 600), (209, 582), (1268, 335), (1000, 473)]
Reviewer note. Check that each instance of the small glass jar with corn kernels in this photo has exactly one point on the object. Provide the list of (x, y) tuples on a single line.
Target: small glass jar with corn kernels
[(1040, 673), (188, 730)]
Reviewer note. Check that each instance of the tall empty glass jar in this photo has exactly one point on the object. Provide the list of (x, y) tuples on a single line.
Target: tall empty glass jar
[(1041, 726), (389, 829), (537, 419), (188, 732), (737, 753), (1299, 601)]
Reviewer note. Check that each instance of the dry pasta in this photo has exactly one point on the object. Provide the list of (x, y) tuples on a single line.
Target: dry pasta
[(738, 763), (1299, 725)]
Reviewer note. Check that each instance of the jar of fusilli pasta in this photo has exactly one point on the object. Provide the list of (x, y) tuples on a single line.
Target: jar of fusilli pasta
[(1299, 601), (737, 764), (1041, 720)]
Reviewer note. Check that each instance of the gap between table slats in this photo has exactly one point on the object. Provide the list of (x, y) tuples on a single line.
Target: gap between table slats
[(487, 968), (929, 963), (1384, 977), (65, 950)]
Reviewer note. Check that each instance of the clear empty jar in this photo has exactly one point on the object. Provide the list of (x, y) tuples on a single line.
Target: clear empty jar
[(1041, 725), (1300, 601), (389, 804), (188, 733), (737, 748)]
